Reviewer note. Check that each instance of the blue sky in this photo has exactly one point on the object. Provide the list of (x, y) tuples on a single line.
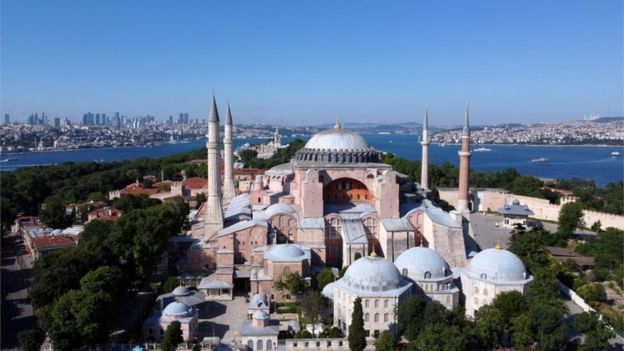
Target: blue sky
[(306, 62)]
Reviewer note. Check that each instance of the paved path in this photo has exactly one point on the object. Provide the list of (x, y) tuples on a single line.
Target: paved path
[(17, 313), (222, 318)]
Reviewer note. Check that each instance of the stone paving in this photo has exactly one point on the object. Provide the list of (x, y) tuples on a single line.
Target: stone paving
[(222, 318)]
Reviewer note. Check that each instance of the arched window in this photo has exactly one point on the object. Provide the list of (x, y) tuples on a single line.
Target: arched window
[(250, 344), (385, 317), (366, 303), (485, 292), (427, 275), (385, 303), (476, 289), (282, 221), (404, 271), (376, 317), (269, 345), (286, 271), (483, 276), (259, 345), (376, 303), (365, 317), (476, 301)]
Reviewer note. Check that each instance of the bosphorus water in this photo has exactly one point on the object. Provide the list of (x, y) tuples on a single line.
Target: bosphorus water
[(562, 162)]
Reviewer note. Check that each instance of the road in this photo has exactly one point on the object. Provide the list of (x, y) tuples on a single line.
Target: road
[(17, 313)]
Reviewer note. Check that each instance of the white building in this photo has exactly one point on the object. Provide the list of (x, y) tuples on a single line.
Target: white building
[(380, 286), (489, 273), (431, 275)]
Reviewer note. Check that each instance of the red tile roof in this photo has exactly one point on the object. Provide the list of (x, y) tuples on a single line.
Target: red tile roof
[(196, 183), (51, 242)]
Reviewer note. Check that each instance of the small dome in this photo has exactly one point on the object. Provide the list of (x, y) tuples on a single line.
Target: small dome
[(278, 208), (418, 261), (260, 315), (328, 291), (181, 291), (284, 252), (497, 264), (372, 273), (337, 139), (177, 309), (259, 300)]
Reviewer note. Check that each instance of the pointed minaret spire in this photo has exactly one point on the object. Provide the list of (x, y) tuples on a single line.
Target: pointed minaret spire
[(229, 190), (337, 125), (213, 219), (464, 168), (424, 165), (466, 131)]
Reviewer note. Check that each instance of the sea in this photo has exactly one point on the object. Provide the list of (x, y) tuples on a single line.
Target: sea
[(559, 162)]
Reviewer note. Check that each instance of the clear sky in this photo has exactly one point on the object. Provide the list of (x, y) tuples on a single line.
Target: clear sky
[(306, 62)]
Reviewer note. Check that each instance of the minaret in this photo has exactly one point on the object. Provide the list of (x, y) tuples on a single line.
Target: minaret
[(213, 220), (277, 139), (424, 166), (228, 173), (464, 167)]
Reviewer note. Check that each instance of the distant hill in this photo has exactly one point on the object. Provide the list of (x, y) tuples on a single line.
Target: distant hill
[(608, 119)]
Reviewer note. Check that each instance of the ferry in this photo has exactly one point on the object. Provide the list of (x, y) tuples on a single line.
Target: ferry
[(541, 159), (616, 154), (482, 149)]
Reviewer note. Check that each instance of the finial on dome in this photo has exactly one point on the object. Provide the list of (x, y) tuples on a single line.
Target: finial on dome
[(498, 245), (373, 253), (337, 125)]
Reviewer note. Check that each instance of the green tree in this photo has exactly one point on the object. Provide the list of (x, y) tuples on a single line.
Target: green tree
[(385, 341), (409, 317), (313, 306), (357, 338), (247, 155), (510, 304), (597, 334), (172, 337), (522, 334), (63, 329), (489, 326), (592, 293), (324, 277), (53, 213), (570, 218), (295, 284), (548, 323), (31, 339), (440, 337), (170, 284)]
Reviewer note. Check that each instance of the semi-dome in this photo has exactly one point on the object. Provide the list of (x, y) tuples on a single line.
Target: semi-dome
[(181, 291), (278, 208), (260, 315), (497, 264), (284, 252), (422, 263), (372, 273), (337, 145), (177, 309)]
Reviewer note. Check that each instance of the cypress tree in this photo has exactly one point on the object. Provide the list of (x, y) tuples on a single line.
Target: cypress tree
[(357, 339)]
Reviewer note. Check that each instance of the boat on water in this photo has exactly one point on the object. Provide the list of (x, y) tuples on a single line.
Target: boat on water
[(482, 149), (541, 159), (616, 154), (5, 160)]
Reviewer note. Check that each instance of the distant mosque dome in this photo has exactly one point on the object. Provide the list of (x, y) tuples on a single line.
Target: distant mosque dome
[(422, 263), (372, 274), (337, 145), (260, 315), (497, 265), (278, 209)]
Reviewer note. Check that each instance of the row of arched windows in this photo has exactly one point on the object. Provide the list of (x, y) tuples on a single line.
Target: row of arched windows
[(260, 345), (386, 317), (376, 303)]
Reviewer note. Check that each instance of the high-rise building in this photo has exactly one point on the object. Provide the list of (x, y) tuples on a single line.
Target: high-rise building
[(7, 118), (57, 122)]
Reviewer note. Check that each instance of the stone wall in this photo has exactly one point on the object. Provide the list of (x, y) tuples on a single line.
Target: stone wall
[(493, 199)]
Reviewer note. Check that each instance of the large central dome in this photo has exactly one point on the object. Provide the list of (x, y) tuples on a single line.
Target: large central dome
[(337, 139), (337, 145)]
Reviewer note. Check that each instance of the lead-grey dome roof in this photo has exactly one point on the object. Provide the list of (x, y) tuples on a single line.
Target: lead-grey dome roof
[(337, 139), (337, 145), (418, 261), (498, 265), (372, 273), (284, 252), (177, 309)]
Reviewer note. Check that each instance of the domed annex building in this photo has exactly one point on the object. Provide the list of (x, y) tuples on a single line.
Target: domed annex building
[(489, 273), (380, 286)]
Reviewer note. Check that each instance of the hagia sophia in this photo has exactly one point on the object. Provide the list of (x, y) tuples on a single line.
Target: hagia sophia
[(335, 204)]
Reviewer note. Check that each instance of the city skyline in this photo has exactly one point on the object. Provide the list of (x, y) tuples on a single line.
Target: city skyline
[(308, 63)]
